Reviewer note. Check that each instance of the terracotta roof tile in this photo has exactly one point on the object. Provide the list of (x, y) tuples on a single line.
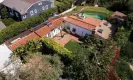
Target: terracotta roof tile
[(46, 29), (89, 23), (37, 34), (24, 40)]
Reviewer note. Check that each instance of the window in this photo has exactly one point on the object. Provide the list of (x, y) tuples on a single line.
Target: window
[(31, 13), (100, 31), (74, 30), (40, 3), (43, 8), (24, 17), (46, 7), (106, 23), (35, 10)]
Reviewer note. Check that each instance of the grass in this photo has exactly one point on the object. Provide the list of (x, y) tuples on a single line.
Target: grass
[(73, 46), (91, 9)]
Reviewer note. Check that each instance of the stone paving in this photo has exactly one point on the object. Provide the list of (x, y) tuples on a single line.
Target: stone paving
[(65, 39)]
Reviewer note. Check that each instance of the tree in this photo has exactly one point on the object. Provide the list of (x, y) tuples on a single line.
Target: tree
[(123, 70), (42, 67), (37, 65), (92, 61), (4, 13)]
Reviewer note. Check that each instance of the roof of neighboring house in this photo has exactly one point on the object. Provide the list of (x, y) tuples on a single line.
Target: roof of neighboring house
[(19, 5), (117, 13), (33, 33), (2, 25), (88, 23)]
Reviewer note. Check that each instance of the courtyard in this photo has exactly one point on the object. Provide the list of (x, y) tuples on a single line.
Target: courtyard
[(66, 38)]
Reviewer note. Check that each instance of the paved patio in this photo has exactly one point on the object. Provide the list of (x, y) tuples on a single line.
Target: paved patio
[(67, 37)]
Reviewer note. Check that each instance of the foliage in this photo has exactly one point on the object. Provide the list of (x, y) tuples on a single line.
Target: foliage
[(73, 46), (92, 61), (38, 66), (97, 10), (63, 5), (123, 70), (23, 52), (22, 26), (126, 50), (129, 22), (8, 21), (54, 47), (121, 37), (119, 5), (4, 13), (42, 67), (124, 41)]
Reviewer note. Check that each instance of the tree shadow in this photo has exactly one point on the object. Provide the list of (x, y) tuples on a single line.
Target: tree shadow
[(131, 37)]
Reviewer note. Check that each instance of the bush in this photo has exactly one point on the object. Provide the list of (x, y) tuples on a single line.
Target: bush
[(55, 47), (8, 21), (19, 27), (22, 26)]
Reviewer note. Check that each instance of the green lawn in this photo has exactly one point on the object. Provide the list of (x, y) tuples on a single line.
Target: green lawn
[(91, 9), (73, 46)]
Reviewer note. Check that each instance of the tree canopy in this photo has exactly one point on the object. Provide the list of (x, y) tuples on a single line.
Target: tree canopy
[(91, 62)]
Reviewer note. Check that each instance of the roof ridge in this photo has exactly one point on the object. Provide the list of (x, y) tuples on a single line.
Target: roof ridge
[(81, 21)]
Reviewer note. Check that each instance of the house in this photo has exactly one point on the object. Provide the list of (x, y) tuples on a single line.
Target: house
[(52, 28), (23, 9), (78, 26), (2, 25), (119, 16), (87, 26)]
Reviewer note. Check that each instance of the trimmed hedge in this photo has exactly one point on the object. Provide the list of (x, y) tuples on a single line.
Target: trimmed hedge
[(22, 26), (55, 47), (19, 27)]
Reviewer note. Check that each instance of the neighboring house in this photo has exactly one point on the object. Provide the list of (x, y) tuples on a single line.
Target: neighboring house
[(23, 9), (119, 16), (2, 25), (88, 26)]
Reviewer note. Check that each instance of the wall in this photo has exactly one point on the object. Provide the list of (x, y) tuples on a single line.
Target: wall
[(54, 32), (37, 8), (79, 31)]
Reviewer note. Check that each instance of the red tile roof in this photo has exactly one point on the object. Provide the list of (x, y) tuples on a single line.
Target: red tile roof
[(46, 29), (89, 23), (23, 41), (31, 35)]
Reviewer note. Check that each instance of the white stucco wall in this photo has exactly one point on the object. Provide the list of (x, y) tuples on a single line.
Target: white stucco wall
[(79, 30), (5, 54), (54, 32)]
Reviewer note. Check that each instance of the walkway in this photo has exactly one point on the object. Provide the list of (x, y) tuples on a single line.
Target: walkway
[(67, 37)]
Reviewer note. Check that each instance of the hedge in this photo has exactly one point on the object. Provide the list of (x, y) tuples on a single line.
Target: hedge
[(55, 47), (22, 26), (19, 27)]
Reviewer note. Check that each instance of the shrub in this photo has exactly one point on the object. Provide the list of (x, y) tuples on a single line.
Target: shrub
[(22, 26), (8, 21), (55, 47)]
